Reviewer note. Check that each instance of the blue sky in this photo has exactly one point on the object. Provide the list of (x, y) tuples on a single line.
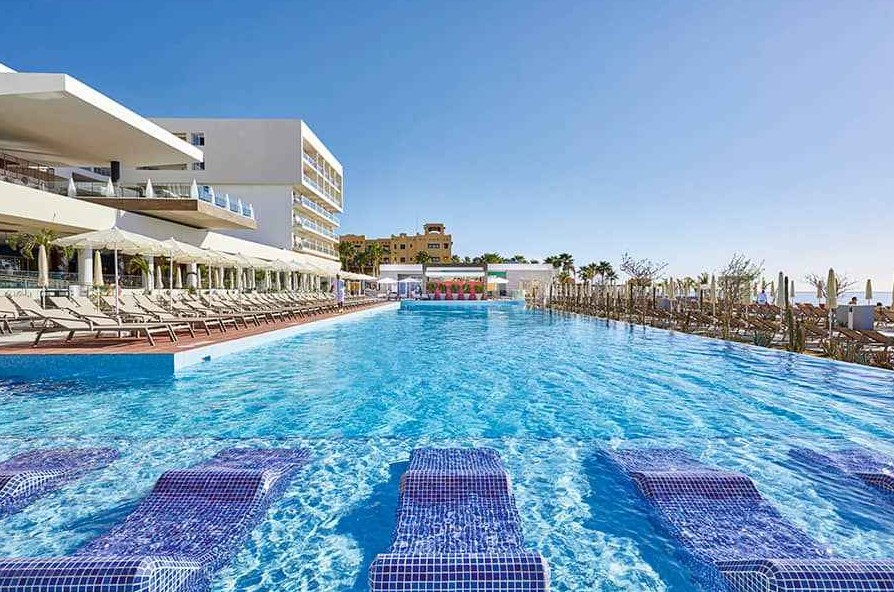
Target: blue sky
[(676, 131)]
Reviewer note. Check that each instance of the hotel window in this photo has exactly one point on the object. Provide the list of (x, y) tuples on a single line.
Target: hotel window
[(436, 259), (198, 166), (434, 246), (446, 245), (403, 259), (403, 247), (197, 138)]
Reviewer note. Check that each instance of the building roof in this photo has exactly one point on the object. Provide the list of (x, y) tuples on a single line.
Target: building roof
[(57, 119)]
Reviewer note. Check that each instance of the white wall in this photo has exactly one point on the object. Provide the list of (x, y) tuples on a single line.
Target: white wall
[(273, 208), (237, 151)]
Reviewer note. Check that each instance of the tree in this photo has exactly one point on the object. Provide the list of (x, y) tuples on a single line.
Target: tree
[(604, 269), (456, 259), (423, 257), (27, 243), (734, 283), (347, 253), (588, 272), (842, 283), (562, 261), (488, 258), (517, 259), (642, 272), (374, 253), (703, 278)]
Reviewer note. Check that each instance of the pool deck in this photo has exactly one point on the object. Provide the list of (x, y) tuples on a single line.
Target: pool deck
[(84, 354)]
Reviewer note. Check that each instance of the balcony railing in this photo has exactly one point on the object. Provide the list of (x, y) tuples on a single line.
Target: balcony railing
[(25, 172), (330, 195), (315, 207), (309, 224), (306, 244), (312, 162), (203, 193)]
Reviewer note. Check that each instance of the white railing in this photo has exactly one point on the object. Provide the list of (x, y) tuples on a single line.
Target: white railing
[(316, 208), (308, 224)]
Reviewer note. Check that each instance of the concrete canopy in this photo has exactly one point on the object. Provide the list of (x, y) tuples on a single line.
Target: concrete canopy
[(56, 119)]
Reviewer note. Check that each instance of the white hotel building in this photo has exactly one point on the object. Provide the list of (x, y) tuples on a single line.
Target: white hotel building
[(293, 181), (277, 190)]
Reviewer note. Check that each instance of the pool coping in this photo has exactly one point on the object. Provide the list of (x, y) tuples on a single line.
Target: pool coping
[(158, 365)]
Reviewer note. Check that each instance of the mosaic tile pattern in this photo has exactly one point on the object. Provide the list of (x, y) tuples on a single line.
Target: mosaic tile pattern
[(717, 516), (457, 528), (192, 522), (870, 468), (27, 476), (792, 575)]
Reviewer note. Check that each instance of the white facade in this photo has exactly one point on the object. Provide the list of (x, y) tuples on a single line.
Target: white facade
[(50, 122), (294, 183)]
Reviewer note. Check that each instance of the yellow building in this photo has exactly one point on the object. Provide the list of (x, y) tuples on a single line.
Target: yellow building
[(404, 248)]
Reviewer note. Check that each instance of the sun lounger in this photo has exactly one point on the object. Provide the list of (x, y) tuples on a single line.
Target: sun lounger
[(190, 525), (719, 517), (457, 529), (131, 308), (27, 476), (56, 320), (869, 468)]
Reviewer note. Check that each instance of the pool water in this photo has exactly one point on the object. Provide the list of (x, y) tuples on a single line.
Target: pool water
[(548, 391)]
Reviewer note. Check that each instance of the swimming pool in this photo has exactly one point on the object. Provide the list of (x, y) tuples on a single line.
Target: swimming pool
[(546, 390)]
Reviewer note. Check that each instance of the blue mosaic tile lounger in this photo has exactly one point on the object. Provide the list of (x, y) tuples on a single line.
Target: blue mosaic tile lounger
[(27, 476), (457, 529), (731, 537), (870, 468), (191, 523)]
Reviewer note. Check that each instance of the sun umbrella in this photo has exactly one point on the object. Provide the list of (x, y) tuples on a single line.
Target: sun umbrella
[(114, 239), (159, 284), (780, 291), (43, 267), (819, 290), (178, 283), (194, 190), (109, 189), (831, 290), (150, 191), (868, 292), (713, 290), (791, 291), (387, 281), (72, 190), (773, 291), (97, 270)]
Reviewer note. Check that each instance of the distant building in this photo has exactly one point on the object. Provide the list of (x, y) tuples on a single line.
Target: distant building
[(404, 248)]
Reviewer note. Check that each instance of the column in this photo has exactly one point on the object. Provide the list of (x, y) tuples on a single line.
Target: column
[(85, 268), (150, 274), (192, 272)]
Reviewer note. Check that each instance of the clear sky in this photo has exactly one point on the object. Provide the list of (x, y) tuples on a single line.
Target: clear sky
[(672, 130)]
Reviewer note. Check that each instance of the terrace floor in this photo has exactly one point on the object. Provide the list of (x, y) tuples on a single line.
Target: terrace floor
[(53, 343)]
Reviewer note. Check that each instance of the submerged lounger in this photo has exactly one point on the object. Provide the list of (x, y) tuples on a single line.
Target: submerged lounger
[(191, 523), (872, 469), (732, 537), (27, 476), (457, 529)]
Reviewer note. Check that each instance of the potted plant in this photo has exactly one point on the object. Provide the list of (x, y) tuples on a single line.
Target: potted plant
[(479, 292)]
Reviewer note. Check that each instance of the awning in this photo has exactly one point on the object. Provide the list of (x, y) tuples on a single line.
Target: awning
[(455, 274)]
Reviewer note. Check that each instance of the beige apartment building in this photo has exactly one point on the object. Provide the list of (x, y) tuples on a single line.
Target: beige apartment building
[(403, 248)]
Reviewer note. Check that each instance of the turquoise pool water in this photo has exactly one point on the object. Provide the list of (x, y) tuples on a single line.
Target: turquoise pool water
[(545, 390)]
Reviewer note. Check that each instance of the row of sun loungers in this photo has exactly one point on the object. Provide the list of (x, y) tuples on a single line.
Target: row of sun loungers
[(142, 316), (457, 528)]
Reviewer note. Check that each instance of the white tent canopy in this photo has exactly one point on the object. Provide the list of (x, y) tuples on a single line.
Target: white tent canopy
[(114, 239)]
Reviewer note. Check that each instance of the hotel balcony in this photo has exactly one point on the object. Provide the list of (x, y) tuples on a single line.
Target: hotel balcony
[(313, 247), (311, 226), (191, 205), (310, 206)]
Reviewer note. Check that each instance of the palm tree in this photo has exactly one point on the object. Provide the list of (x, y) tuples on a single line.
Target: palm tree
[(563, 261), (374, 253), (588, 272), (423, 257), (604, 269), (348, 255), (455, 259), (518, 259), (611, 276)]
